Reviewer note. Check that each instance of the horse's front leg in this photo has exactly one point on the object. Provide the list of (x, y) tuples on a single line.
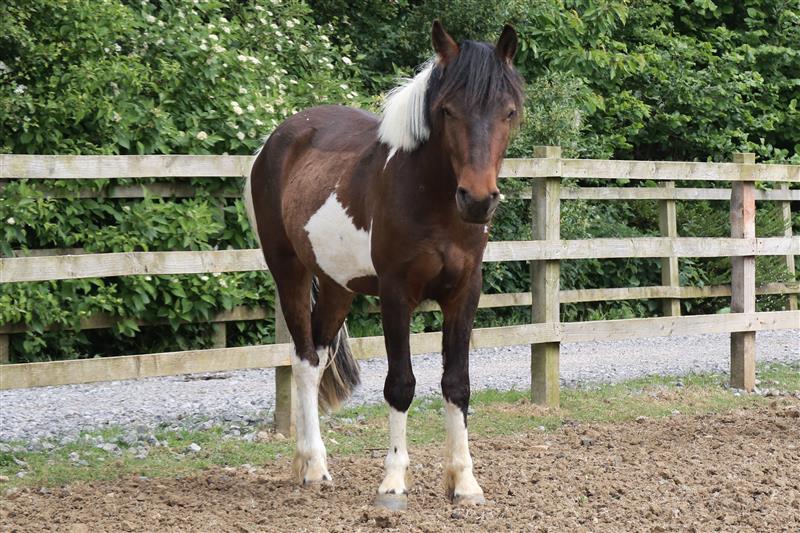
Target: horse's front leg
[(398, 391), (459, 314)]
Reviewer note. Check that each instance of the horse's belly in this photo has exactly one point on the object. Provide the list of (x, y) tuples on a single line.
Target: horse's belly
[(341, 250)]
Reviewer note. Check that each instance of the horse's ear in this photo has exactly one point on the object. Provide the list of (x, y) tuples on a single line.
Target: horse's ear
[(446, 48), (507, 44)]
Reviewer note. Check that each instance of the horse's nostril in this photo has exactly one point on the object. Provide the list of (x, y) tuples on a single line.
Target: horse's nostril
[(495, 195), (462, 193)]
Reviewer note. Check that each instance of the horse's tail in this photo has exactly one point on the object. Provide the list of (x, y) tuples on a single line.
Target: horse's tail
[(341, 375)]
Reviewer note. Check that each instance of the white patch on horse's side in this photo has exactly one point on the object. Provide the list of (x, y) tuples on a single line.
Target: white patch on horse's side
[(311, 452), (457, 460), (397, 461), (341, 249), (403, 125), (247, 194)]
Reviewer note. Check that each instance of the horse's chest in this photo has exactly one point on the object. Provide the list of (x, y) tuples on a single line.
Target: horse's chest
[(341, 249)]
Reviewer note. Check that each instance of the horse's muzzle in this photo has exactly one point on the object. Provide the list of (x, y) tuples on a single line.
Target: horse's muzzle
[(476, 211)]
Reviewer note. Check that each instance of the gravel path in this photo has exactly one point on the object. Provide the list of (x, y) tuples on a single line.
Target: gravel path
[(245, 398)]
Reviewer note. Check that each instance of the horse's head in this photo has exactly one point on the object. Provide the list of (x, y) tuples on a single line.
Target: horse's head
[(475, 98)]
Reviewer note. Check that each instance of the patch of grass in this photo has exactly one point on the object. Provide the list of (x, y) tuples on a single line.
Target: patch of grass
[(359, 430)]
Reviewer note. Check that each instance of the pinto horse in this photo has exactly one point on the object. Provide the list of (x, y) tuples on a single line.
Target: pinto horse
[(398, 207)]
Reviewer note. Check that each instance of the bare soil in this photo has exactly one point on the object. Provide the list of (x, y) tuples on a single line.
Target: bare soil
[(733, 472)]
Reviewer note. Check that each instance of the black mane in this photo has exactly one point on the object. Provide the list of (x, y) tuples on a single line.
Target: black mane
[(480, 73)]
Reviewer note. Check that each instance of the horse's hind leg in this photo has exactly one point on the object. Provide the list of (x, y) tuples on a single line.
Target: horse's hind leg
[(294, 287)]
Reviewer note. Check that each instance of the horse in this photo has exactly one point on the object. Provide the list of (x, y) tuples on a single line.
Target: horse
[(397, 206)]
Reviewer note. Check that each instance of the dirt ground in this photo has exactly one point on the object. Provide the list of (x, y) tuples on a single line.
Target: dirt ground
[(732, 472)]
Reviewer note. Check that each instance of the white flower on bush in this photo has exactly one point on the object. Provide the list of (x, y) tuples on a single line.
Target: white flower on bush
[(242, 90), (204, 278), (150, 18), (238, 110), (116, 117), (290, 24), (240, 135), (218, 49), (259, 122), (223, 283), (203, 47), (10, 221), (213, 37), (202, 136), (4, 67), (344, 86), (148, 278), (251, 108), (19, 89), (241, 58), (346, 60), (278, 47), (278, 33)]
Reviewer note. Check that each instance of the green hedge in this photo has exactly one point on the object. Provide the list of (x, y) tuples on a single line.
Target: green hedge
[(658, 80)]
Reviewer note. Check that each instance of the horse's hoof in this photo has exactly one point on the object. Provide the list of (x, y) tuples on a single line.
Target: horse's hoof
[(325, 481), (393, 502), (468, 500)]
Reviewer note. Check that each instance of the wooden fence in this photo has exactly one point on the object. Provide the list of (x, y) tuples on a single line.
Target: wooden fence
[(544, 252)]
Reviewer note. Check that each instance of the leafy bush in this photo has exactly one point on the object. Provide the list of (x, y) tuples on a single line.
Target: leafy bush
[(82, 76)]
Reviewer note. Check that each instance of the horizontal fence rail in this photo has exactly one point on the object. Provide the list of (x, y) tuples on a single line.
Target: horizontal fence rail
[(276, 355), (17, 269), (145, 166), (544, 253)]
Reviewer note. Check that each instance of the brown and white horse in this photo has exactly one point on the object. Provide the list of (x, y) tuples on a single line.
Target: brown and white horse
[(398, 207)]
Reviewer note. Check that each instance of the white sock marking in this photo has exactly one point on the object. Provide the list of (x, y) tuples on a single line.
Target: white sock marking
[(397, 458), (458, 462), (310, 447), (341, 249)]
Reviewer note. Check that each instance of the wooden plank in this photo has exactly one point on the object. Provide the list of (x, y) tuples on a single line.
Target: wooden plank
[(19, 269), (530, 168), (26, 375), (670, 272), (128, 264), (659, 193), (638, 247), (23, 375), (679, 325), (545, 282), (158, 190), (122, 166), (285, 386), (786, 215), (105, 320), (678, 171), (743, 279)]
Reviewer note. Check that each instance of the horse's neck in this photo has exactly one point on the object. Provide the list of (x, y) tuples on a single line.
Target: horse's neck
[(434, 171)]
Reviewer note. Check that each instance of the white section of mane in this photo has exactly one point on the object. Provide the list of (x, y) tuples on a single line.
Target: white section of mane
[(403, 125)]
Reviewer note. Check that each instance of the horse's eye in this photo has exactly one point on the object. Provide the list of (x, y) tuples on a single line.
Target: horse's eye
[(447, 111), (511, 114)]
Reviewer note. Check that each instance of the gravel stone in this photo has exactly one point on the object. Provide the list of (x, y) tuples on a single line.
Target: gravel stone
[(246, 398)]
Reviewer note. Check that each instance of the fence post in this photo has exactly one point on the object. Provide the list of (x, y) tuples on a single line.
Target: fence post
[(786, 209), (219, 335), (285, 393), (545, 281), (5, 349), (743, 275), (670, 272)]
